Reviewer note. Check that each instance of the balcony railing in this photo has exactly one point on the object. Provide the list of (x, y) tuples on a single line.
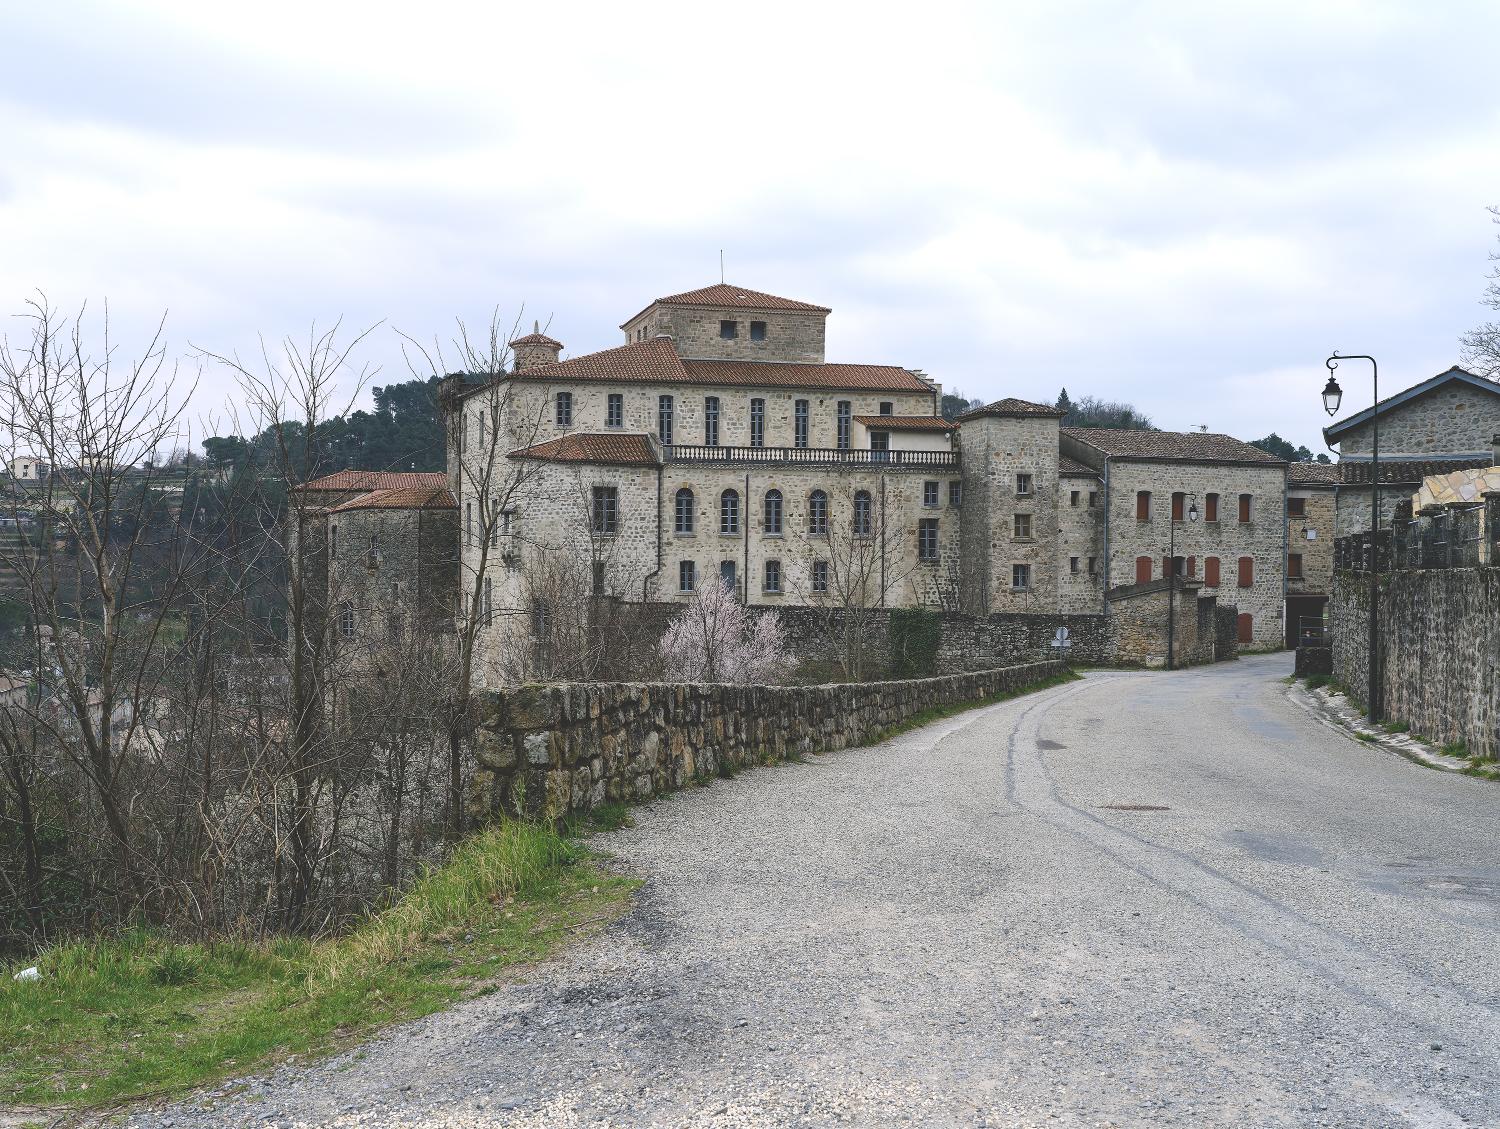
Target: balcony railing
[(811, 456)]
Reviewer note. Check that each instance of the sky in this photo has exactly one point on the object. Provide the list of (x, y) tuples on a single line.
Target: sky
[(1185, 206)]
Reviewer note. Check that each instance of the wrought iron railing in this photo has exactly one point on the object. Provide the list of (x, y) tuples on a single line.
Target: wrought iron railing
[(1459, 535), (812, 456)]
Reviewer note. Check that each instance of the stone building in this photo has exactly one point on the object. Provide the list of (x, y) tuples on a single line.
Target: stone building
[(717, 444), (1446, 423), (1310, 504)]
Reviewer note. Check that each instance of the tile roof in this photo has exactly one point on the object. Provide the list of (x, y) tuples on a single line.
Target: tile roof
[(1012, 408), (1313, 474), (536, 339), (908, 423), (723, 294), (344, 481), (591, 447), (1197, 446), (1071, 468), (402, 498), (656, 362), (1352, 473)]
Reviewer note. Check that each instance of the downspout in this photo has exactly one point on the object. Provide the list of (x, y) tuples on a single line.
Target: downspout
[(745, 517), (884, 539), (1108, 564), (650, 576)]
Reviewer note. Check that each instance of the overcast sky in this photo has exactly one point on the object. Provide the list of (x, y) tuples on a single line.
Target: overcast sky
[(1157, 202)]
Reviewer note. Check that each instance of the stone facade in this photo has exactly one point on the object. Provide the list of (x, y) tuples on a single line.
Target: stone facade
[(697, 328), (1439, 636), (559, 748), (1143, 626)]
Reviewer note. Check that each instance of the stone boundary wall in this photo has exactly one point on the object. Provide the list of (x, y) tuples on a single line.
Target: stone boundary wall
[(573, 746), (1440, 650)]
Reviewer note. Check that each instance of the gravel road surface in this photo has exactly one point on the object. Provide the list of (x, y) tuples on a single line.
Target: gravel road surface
[(1141, 899)]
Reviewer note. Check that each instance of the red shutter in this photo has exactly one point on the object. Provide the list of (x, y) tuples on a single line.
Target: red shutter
[(1211, 572), (1192, 566), (1142, 569), (1244, 509), (1177, 500), (1166, 567), (1211, 508), (1247, 572), (1246, 624), (1143, 505)]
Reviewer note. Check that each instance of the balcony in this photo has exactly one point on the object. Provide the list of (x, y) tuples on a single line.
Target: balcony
[(813, 456)]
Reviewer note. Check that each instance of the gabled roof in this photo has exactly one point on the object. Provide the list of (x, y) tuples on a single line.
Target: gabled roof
[(408, 498), (733, 297), (346, 481), (907, 423), (1312, 474), (1012, 408), (1463, 376), (1191, 446), (631, 449), (1071, 468), (657, 362)]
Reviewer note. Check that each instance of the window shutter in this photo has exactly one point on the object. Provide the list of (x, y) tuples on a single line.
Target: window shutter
[(1211, 572), (1246, 624), (1166, 567), (1247, 572), (1143, 505), (1192, 566), (1142, 569), (1244, 509), (1211, 507)]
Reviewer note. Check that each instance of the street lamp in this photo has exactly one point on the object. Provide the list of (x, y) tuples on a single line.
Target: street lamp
[(1192, 515), (1333, 396)]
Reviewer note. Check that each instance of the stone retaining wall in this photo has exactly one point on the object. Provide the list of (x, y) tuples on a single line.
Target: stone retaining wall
[(1440, 650), (571, 747)]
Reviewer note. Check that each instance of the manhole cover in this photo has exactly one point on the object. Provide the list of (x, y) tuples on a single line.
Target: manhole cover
[(1137, 807)]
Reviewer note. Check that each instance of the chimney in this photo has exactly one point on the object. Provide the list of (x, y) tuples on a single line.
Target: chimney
[(535, 350)]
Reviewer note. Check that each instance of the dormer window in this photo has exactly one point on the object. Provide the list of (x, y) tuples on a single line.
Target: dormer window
[(757, 331), (729, 330)]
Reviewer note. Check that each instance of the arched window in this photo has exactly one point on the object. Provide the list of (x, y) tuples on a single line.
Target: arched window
[(684, 510), (863, 521), (817, 513), (729, 512), (771, 513)]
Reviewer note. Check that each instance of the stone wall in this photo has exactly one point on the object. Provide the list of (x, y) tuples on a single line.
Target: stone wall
[(572, 747), (1440, 650), (1139, 616), (1455, 417)]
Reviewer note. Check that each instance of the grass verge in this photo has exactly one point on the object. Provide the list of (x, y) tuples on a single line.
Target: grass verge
[(138, 1014), (938, 713)]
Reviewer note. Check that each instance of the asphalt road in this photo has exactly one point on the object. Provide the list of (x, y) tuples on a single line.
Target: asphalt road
[(1138, 899)]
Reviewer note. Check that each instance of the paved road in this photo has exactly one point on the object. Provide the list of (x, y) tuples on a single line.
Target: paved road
[(1138, 899)]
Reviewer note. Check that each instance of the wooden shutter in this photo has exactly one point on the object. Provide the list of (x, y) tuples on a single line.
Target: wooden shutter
[(1211, 572), (1142, 569), (1166, 567), (1143, 505), (1211, 507), (1247, 572), (1192, 566), (1246, 625), (1244, 509), (1177, 500)]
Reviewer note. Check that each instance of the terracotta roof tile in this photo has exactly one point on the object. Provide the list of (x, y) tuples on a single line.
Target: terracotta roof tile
[(344, 481), (1071, 468), (1011, 408), (1313, 474), (1353, 473), (1198, 446), (536, 339), (908, 423), (723, 294), (767, 374), (404, 498), (592, 447)]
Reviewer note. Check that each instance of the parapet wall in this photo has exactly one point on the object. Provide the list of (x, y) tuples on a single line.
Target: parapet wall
[(571, 747)]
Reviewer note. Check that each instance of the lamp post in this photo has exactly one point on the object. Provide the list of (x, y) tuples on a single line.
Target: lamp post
[(1333, 396), (1191, 501)]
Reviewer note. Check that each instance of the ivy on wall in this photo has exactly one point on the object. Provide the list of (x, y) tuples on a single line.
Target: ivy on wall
[(915, 635)]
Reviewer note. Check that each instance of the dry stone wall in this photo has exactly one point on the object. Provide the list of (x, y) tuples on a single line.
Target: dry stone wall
[(572, 747)]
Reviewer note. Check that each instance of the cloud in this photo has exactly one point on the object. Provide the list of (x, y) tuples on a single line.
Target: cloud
[(1174, 204)]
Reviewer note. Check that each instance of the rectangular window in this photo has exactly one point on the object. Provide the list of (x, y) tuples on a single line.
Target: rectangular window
[(615, 414), (664, 419), (955, 493), (887, 407), (927, 539), (1179, 504), (1023, 485), (1073, 565), (728, 576), (757, 422), (606, 509), (1244, 509), (820, 578), (1093, 565), (1093, 497), (710, 421), (1072, 497), (930, 495), (1294, 566), (757, 331), (1143, 505), (1296, 507), (495, 517), (729, 330), (1247, 572), (1210, 572), (1020, 577), (1023, 527), (564, 413), (846, 421), (799, 423), (880, 444), (687, 576), (772, 585)]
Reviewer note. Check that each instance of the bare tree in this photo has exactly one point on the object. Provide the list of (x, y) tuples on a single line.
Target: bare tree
[(1481, 345)]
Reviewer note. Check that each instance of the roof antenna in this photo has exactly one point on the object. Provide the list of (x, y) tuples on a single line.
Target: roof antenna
[(721, 266)]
